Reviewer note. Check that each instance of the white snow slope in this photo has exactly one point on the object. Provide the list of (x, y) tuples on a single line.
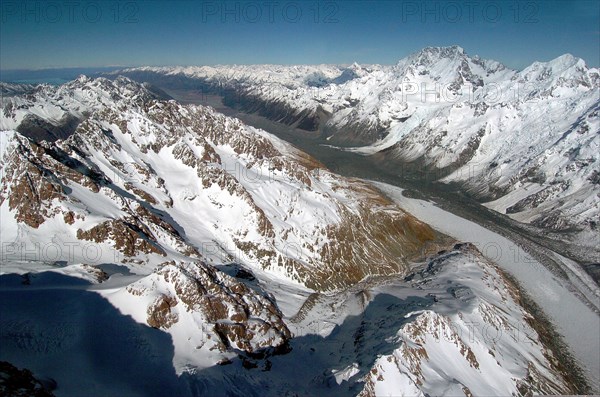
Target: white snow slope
[(525, 141)]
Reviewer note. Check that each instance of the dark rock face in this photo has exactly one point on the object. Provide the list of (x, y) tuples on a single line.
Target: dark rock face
[(15, 382), (40, 130)]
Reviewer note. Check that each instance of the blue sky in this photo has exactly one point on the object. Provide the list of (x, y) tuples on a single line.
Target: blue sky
[(79, 33)]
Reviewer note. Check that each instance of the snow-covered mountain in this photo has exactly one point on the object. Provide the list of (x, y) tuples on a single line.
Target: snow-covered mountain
[(525, 142), (447, 351), (154, 178), (49, 112), (182, 252), (453, 327), (10, 89)]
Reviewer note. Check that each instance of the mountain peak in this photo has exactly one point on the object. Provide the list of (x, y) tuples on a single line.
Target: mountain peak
[(82, 78), (562, 62), (565, 70), (432, 55), (567, 61), (454, 48), (443, 52)]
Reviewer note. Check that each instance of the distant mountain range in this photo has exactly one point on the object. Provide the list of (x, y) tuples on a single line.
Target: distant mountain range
[(524, 142)]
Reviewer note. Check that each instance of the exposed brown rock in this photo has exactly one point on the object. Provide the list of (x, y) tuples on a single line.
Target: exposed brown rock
[(159, 312), (241, 318), (129, 238)]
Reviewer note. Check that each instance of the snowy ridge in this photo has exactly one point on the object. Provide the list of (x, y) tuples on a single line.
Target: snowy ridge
[(524, 141), (50, 112), (207, 313), (10, 89), (451, 351), (157, 179), (454, 327)]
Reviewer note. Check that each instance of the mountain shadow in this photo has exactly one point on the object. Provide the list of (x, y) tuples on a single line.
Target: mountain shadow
[(51, 325), (307, 369)]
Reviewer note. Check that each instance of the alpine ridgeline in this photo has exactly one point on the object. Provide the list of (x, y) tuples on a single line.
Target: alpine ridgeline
[(524, 142)]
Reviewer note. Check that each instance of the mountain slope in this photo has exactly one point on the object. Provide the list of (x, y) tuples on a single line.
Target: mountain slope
[(208, 313), (148, 179), (450, 352), (524, 142), (454, 327)]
